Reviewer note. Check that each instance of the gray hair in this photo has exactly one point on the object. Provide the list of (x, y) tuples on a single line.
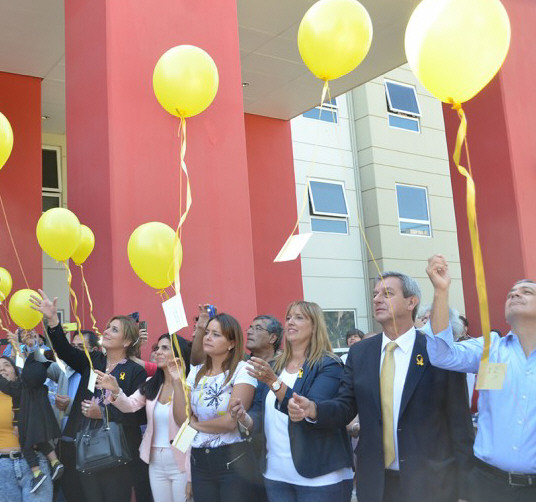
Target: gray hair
[(454, 319), (273, 326), (409, 287)]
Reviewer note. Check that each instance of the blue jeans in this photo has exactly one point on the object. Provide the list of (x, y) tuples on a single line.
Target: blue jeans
[(15, 478), (284, 492)]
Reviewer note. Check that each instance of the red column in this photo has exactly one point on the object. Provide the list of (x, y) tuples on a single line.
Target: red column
[(21, 179), (124, 153), (503, 155), (272, 191)]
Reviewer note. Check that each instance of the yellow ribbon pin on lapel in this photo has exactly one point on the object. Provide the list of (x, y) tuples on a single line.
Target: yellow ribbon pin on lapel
[(420, 360), (122, 375)]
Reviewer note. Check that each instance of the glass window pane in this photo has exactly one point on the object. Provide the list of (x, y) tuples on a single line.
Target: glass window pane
[(411, 228), (412, 203), (50, 201), (330, 226), (339, 322), (328, 198), (322, 114), (404, 123), (402, 98), (50, 169)]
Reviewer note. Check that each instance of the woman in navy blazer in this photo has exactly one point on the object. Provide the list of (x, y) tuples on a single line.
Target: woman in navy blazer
[(299, 462)]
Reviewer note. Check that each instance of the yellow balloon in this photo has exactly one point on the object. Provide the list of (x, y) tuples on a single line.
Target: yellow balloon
[(455, 47), (151, 254), (21, 312), (58, 233), (6, 139), (6, 283), (85, 245), (185, 80), (334, 37)]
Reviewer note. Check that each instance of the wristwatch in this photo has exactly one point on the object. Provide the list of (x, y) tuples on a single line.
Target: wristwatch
[(276, 385)]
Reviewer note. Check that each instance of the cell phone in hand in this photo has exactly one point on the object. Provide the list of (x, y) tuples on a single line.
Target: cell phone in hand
[(142, 325), (211, 309)]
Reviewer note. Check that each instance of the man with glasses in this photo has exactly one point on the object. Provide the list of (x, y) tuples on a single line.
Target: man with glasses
[(264, 337)]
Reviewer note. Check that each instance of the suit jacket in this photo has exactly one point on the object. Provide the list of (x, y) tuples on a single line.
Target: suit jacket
[(314, 451), (435, 436)]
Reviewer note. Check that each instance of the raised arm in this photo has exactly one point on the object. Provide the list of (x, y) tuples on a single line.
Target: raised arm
[(124, 403)]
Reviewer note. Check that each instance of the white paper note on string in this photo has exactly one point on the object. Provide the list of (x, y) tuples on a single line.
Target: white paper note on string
[(293, 247), (174, 313), (184, 437), (19, 361), (92, 381)]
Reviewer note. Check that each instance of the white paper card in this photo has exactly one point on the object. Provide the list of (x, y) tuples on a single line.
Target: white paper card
[(19, 361), (61, 364), (92, 381), (174, 313), (184, 437), (491, 376), (293, 247)]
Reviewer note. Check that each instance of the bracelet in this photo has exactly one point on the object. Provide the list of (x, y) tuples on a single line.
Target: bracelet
[(116, 395)]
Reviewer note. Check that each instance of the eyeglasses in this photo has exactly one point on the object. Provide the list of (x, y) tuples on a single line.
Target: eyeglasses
[(258, 327)]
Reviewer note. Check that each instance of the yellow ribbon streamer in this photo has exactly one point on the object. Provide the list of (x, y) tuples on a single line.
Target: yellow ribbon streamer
[(86, 288), (75, 307), (461, 140)]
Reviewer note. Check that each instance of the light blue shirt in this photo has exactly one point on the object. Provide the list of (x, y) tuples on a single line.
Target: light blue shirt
[(506, 436)]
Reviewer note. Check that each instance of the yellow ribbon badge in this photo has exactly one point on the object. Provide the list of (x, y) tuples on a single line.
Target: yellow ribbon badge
[(420, 360), (122, 375), (300, 372)]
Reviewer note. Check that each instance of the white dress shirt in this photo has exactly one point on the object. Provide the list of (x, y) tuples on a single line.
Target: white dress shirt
[(402, 355)]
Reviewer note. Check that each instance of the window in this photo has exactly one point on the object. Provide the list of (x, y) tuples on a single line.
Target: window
[(339, 322), (328, 207), (413, 212), (328, 112), (51, 164), (402, 106)]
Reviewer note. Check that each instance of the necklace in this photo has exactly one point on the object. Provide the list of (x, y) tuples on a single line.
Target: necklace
[(110, 367)]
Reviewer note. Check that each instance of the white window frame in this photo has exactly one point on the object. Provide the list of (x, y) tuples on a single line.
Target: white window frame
[(328, 107), (323, 213), (406, 117), (54, 192), (411, 220), (343, 350), (342, 218), (398, 111)]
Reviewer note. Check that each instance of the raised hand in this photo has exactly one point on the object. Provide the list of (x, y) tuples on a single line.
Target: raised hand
[(107, 382), (47, 307), (438, 272), (203, 316), (299, 407), (258, 368), (174, 367)]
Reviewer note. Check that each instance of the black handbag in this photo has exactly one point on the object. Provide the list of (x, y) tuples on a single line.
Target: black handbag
[(101, 448)]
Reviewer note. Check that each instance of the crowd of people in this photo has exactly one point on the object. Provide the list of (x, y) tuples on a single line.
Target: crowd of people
[(287, 422)]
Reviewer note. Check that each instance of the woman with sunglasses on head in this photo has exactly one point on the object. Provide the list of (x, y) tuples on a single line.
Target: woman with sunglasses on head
[(220, 458), (119, 339), (167, 465)]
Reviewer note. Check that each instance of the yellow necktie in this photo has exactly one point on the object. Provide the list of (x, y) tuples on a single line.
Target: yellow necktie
[(387, 377)]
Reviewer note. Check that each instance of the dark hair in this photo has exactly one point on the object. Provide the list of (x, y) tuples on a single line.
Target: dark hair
[(274, 327), (353, 332), (90, 336), (151, 387), (17, 373), (409, 288), (464, 320), (230, 329)]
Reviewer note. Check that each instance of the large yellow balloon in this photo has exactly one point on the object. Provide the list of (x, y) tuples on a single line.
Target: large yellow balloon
[(185, 80), (6, 283), (455, 47), (334, 37), (6, 139), (58, 232), (150, 252), (85, 245), (21, 312)]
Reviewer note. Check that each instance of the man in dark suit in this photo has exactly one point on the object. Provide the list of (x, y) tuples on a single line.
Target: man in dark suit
[(416, 437)]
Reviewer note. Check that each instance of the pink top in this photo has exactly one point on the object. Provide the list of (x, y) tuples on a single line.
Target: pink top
[(133, 403)]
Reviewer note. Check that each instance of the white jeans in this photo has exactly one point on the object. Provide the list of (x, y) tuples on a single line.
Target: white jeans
[(168, 484)]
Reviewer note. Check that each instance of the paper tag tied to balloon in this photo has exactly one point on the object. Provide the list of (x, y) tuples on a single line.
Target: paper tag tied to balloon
[(174, 313), (491, 376), (92, 381), (293, 247), (184, 437)]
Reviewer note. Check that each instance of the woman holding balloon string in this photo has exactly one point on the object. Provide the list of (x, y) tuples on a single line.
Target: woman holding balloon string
[(119, 339), (168, 467)]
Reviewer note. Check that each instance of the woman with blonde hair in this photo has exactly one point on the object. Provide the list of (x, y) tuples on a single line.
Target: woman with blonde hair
[(301, 463)]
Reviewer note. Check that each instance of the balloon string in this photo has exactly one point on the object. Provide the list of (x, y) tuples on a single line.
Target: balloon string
[(75, 306), (13, 242), (461, 140), (4, 314), (86, 288)]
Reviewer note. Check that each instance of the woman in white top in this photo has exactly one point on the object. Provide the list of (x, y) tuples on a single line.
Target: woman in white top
[(301, 463), (220, 459), (168, 467)]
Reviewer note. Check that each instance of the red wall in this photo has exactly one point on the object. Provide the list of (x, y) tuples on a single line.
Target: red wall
[(124, 154), (21, 179), (503, 157), (273, 212)]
